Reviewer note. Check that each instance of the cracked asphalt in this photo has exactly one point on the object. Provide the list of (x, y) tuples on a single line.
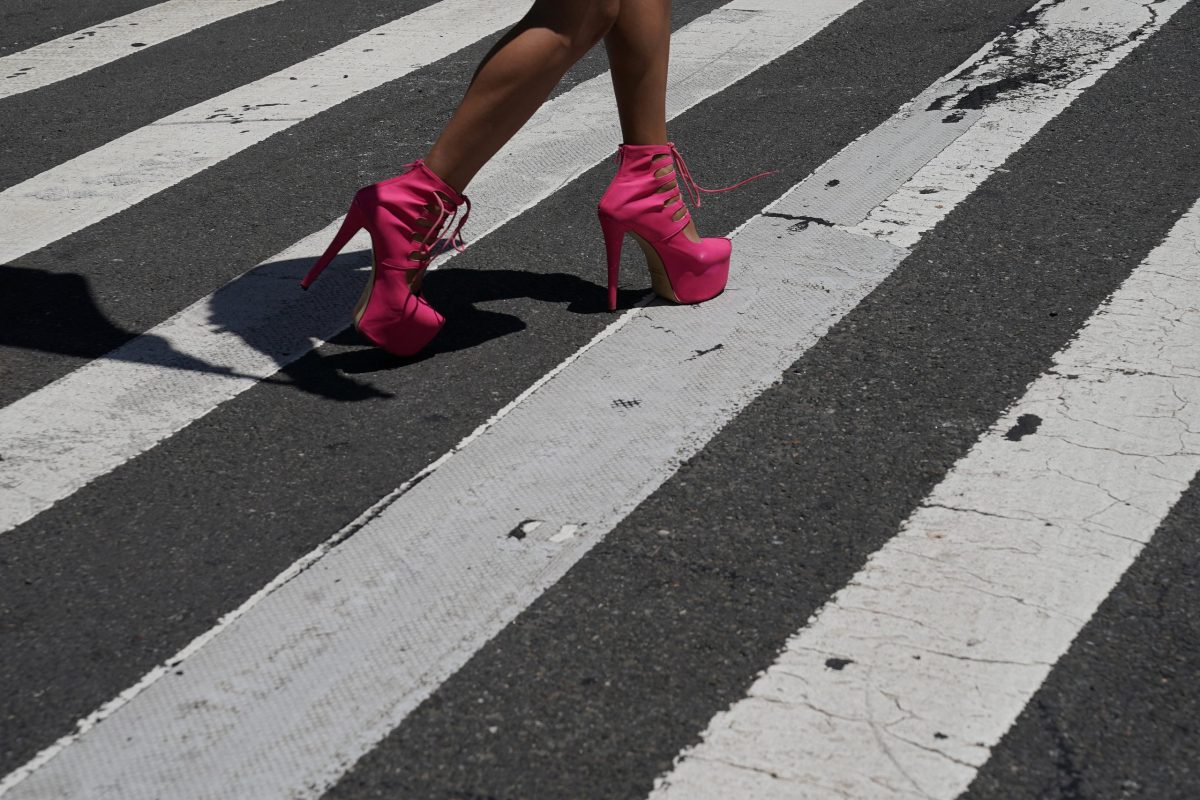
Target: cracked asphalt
[(594, 689), (831, 461), (1117, 716)]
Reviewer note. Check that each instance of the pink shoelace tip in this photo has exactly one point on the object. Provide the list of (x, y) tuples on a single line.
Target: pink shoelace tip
[(455, 239), (695, 189)]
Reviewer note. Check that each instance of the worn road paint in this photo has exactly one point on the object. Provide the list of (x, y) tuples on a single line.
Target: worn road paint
[(92, 420), (291, 693), (1019, 82), (440, 635), (398, 584), (103, 43), (902, 684), (249, 328), (127, 170)]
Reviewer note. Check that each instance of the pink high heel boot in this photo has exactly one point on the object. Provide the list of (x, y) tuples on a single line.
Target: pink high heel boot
[(405, 216), (645, 199)]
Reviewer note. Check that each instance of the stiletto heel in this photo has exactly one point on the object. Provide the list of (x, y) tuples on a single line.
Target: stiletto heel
[(405, 216), (614, 238), (352, 224), (645, 199)]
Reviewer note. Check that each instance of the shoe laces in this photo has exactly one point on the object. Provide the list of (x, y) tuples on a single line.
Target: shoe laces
[(695, 189), (455, 240), (444, 219)]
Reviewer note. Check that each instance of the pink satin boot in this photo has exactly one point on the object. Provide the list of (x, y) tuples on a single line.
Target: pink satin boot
[(405, 216), (645, 200)]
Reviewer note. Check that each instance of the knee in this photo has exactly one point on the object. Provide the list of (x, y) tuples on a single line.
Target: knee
[(592, 26), (606, 13)]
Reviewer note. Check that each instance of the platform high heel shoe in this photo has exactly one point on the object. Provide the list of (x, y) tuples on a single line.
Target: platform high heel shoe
[(405, 216), (645, 199)]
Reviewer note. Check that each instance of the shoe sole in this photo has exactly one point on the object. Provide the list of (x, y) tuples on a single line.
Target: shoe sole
[(659, 280)]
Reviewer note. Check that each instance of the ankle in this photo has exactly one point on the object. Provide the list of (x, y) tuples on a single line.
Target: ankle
[(446, 170), (654, 140)]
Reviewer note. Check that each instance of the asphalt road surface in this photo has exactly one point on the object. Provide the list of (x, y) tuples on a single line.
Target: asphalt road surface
[(910, 511)]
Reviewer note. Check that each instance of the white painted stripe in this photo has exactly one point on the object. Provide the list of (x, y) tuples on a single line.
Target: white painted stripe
[(1068, 46), (291, 692), (125, 171), (293, 687), (64, 435), (909, 676), (106, 42)]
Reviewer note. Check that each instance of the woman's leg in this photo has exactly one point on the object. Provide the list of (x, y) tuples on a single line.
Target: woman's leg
[(638, 47), (514, 79), (639, 44)]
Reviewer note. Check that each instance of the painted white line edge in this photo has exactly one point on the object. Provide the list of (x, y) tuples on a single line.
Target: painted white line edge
[(816, 186), (144, 162), (902, 684), (59, 438), (300, 565), (105, 42), (1073, 47), (198, 338)]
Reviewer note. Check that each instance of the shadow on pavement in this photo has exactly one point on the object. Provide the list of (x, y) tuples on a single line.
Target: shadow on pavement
[(56, 312)]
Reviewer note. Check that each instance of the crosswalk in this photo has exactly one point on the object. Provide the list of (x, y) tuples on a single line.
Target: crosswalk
[(825, 536), (89, 48), (969, 600), (248, 346)]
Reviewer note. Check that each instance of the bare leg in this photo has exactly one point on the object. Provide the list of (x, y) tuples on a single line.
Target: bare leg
[(638, 47), (514, 79), (639, 44)]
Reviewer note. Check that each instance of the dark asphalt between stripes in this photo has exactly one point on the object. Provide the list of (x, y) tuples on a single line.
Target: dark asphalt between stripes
[(593, 690), (43, 128), (150, 555), (1119, 715), (97, 590), (32, 22), (90, 292)]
